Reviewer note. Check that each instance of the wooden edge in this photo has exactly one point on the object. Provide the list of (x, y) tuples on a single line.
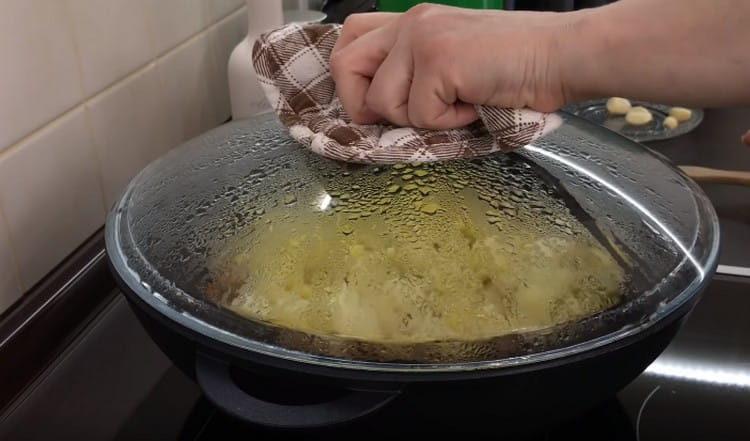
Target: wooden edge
[(716, 176)]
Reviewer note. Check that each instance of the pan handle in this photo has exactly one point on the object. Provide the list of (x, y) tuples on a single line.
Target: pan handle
[(214, 378)]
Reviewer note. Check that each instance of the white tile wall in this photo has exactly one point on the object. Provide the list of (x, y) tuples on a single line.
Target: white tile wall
[(131, 128), (10, 286), (113, 38), (50, 194), (223, 37), (174, 21), (218, 9), (39, 76), (190, 80), (90, 92)]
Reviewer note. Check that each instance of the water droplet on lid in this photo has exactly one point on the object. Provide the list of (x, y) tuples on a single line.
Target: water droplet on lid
[(347, 229), (429, 208)]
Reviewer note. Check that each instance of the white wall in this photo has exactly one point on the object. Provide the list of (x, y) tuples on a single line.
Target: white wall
[(90, 92)]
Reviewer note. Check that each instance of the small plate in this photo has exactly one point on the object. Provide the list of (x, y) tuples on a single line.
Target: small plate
[(596, 111)]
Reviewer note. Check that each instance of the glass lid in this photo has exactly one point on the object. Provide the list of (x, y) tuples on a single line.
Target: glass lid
[(572, 243)]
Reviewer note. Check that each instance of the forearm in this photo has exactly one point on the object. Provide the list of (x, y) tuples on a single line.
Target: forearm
[(690, 52)]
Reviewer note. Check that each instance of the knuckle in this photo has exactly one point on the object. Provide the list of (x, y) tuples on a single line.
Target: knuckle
[(353, 21), (424, 19), (421, 11)]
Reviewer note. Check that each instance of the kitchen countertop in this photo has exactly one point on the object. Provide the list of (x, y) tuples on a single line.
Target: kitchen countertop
[(716, 143)]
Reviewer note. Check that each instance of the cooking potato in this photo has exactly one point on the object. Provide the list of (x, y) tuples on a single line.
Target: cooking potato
[(458, 273)]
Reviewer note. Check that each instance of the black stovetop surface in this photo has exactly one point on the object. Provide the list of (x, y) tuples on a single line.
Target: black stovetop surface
[(113, 383)]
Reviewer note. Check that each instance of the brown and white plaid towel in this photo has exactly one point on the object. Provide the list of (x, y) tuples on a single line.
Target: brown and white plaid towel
[(292, 64)]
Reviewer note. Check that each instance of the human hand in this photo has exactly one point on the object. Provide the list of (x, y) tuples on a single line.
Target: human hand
[(429, 66)]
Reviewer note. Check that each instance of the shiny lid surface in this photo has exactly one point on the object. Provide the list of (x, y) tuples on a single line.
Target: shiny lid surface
[(218, 218)]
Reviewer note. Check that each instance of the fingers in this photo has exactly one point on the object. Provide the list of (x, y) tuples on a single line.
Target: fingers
[(357, 25), (355, 65), (434, 104), (375, 78), (388, 94)]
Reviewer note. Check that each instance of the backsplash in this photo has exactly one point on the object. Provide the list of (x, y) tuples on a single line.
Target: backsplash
[(90, 92)]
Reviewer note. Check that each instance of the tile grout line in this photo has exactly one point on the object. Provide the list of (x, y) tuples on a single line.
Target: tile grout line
[(76, 49), (85, 110), (97, 158), (197, 34)]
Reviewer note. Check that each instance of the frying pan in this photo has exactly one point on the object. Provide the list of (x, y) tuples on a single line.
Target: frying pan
[(183, 210)]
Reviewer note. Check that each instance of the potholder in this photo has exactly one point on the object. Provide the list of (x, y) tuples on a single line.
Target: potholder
[(292, 64)]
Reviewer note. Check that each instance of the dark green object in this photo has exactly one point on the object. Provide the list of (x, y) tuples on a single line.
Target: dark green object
[(403, 5)]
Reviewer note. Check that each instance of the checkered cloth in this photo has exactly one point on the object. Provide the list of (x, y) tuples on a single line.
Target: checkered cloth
[(292, 64)]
